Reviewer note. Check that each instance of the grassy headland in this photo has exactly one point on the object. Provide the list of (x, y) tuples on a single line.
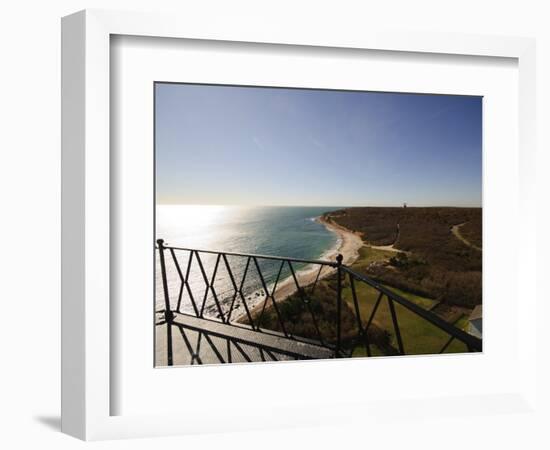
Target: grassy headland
[(433, 262)]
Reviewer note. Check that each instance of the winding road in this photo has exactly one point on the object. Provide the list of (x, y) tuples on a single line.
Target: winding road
[(455, 229)]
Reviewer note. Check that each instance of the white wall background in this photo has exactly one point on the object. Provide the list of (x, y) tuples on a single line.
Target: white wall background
[(29, 224)]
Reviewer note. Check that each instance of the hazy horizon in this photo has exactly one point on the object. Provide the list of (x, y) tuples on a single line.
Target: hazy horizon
[(252, 146)]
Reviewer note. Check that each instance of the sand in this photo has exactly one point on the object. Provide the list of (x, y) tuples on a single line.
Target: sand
[(349, 242)]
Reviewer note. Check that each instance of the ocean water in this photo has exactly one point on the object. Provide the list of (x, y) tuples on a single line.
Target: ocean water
[(279, 231)]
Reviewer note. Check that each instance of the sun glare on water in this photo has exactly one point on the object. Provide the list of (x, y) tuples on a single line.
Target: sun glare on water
[(195, 226)]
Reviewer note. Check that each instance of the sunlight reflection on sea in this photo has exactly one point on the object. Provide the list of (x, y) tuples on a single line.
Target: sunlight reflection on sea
[(279, 231)]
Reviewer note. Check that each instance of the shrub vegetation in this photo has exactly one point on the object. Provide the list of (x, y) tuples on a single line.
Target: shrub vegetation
[(436, 264)]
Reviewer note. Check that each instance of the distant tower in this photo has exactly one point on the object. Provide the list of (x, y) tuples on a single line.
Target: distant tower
[(404, 204)]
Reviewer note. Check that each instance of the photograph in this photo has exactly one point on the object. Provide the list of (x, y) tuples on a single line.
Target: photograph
[(299, 224)]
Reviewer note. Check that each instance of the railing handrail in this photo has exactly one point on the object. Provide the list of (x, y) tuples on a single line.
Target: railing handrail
[(471, 341), (254, 255)]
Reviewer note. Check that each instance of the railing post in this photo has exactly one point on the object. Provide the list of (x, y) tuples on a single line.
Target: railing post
[(339, 260), (168, 315)]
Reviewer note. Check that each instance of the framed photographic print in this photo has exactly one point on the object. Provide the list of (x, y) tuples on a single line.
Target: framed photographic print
[(321, 259), (251, 208)]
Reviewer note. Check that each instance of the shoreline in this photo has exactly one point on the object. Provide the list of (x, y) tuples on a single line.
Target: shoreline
[(348, 244)]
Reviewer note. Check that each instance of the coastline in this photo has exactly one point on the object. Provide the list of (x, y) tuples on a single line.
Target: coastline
[(348, 244)]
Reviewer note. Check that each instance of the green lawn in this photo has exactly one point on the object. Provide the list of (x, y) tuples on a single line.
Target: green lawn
[(368, 255), (424, 302), (462, 323), (418, 335)]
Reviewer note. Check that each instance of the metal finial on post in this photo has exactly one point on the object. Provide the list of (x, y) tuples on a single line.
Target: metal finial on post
[(339, 259)]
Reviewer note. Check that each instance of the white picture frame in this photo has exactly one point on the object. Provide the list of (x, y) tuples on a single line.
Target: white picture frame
[(86, 248)]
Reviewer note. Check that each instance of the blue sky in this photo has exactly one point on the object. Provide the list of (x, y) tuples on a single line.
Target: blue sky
[(269, 146)]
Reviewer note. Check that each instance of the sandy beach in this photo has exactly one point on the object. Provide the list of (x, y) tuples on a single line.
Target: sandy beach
[(348, 246), (349, 242)]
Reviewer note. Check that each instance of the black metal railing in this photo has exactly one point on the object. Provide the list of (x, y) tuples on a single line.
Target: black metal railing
[(328, 309)]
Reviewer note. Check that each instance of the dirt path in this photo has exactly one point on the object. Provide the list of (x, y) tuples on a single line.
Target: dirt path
[(387, 248), (455, 229), (391, 247)]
